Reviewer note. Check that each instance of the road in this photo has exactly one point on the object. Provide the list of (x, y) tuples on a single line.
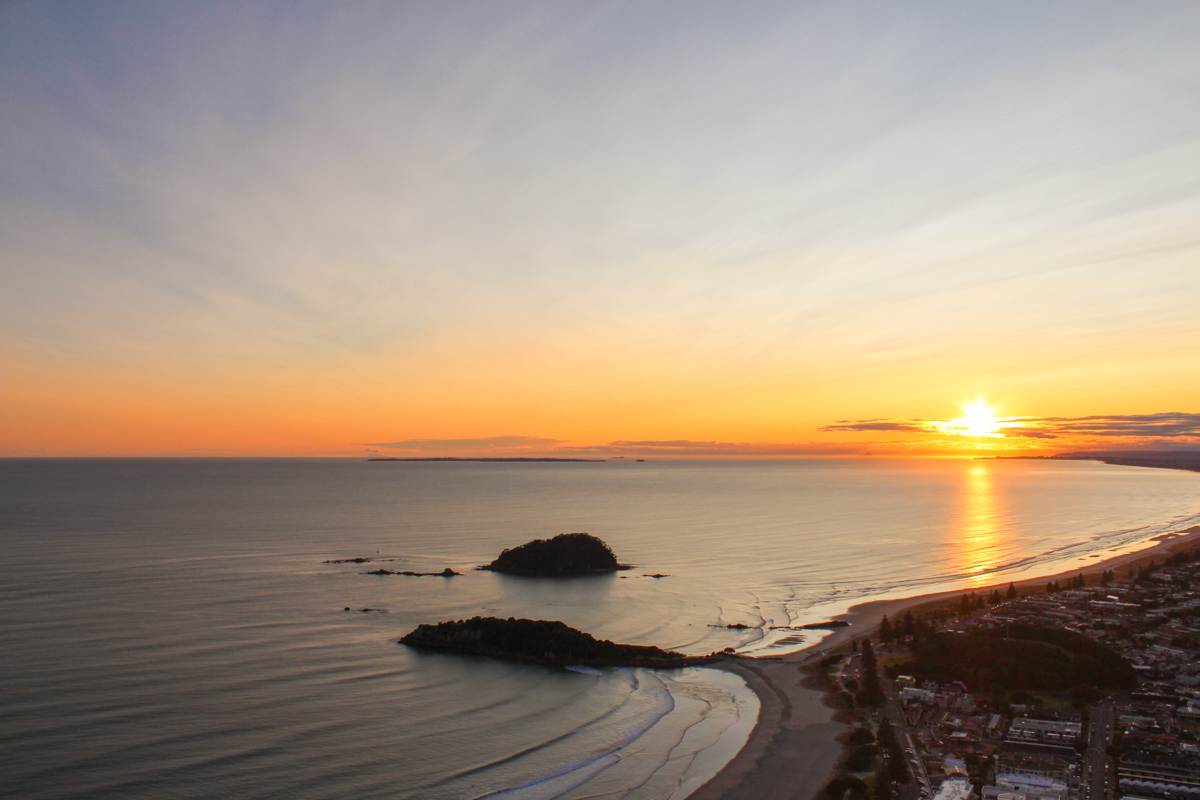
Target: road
[(893, 711), (1099, 775)]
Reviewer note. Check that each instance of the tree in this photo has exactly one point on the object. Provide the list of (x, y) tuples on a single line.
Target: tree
[(1083, 696), (885, 629), (871, 694), (861, 735), (1012, 591), (868, 656), (909, 627), (897, 770), (882, 789), (845, 786)]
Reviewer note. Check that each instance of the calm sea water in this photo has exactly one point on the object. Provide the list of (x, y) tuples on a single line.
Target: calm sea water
[(168, 628)]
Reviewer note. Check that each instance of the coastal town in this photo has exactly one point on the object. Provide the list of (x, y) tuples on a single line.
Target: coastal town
[(1084, 688)]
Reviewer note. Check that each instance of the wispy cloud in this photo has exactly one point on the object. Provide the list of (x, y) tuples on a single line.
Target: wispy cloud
[(689, 447), (477, 446), (1167, 424), (912, 426), (1132, 431), (1170, 425), (543, 446)]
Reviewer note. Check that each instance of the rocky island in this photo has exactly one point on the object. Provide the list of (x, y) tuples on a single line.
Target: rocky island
[(551, 644), (566, 555), (446, 573)]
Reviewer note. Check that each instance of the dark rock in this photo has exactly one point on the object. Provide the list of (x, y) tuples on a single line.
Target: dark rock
[(347, 561), (550, 643), (446, 573), (828, 625), (566, 555)]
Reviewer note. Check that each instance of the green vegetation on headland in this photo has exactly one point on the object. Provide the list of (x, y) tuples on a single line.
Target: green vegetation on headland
[(1018, 657), (565, 555), (552, 644)]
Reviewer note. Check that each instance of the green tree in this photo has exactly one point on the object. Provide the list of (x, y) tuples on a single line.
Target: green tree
[(871, 694), (868, 656), (882, 786), (897, 770)]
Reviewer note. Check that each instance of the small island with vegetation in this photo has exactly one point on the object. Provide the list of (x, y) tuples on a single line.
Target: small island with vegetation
[(566, 555), (550, 643)]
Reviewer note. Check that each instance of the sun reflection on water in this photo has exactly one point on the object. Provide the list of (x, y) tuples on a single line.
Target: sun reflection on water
[(979, 524)]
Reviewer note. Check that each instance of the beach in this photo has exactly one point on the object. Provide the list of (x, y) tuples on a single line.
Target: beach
[(793, 746), (794, 749)]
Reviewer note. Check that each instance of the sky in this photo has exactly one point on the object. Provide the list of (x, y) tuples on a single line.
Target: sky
[(608, 228)]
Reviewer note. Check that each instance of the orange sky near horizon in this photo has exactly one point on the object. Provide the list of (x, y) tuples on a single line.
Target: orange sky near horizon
[(517, 229), (582, 398)]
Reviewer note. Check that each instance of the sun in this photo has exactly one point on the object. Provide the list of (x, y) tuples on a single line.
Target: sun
[(978, 419)]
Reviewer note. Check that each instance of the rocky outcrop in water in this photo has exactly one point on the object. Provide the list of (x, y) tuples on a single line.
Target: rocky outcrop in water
[(566, 555), (446, 573), (549, 643)]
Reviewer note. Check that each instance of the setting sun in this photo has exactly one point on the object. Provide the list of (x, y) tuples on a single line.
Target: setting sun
[(978, 419)]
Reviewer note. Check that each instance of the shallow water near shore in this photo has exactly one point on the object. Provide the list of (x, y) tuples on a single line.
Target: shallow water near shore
[(170, 628)]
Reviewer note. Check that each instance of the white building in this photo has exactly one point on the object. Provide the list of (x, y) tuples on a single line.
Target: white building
[(1026, 786), (955, 789)]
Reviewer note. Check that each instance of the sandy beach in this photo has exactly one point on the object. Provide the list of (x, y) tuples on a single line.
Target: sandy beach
[(795, 743), (794, 750)]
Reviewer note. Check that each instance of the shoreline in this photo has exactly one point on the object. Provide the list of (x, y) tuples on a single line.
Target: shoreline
[(796, 743)]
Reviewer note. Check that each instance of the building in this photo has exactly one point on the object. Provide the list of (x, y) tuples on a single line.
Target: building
[(1044, 732), (1031, 776), (1026, 786), (910, 694), (955, 789), (1164, 773)]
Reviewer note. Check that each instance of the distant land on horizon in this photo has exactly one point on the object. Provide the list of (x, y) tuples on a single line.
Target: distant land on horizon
[(1163, 459), (480, 458)]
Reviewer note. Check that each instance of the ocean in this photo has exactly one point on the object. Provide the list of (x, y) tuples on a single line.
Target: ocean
[(170, 628)]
